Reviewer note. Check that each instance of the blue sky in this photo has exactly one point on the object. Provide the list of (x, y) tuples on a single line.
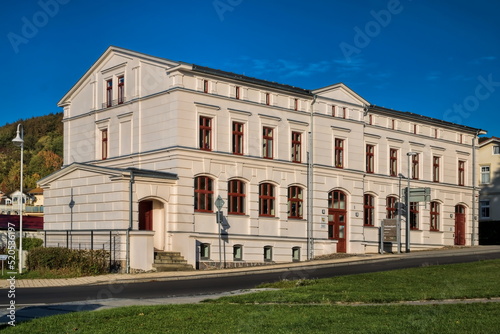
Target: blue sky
[(436, 58)]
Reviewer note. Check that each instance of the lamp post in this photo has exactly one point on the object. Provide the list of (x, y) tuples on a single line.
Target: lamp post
[(409, 154), (19, 141)]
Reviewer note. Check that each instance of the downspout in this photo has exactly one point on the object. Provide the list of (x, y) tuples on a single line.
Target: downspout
[(130, 217), (310, 240), (473, 238)]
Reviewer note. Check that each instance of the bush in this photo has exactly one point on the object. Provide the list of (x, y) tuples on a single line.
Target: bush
[(82, 262), (30, 243)]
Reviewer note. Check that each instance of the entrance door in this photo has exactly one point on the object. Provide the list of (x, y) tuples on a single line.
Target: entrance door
[(459, 225), (337, 218), (146, 215)]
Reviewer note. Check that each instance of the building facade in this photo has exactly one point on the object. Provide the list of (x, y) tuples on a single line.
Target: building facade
[(150, 144), (488, 176)]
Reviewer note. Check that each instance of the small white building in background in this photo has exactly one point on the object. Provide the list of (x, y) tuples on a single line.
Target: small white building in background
[(149, 144)]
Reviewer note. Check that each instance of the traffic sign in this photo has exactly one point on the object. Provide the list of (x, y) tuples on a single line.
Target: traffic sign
[(219, 202), (419, 194)]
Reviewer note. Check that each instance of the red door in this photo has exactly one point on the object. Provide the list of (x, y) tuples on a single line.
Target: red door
[(146, 215), (337, 228), (459, 225), (337, 218)]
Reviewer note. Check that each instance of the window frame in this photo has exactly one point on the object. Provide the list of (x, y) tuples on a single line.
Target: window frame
[(370, 158), (235, 253), (436, 162), (484, 207), (390, 207), (393, 162), (296, 147), (415, 166), (205, 86), (238, 132), (339, 153), (435, 214), (295, 195), (109, 93), (205, 133), (461, 172), (207, 193), (204, 251), (237, 198), (121, 89), (368, 210), (485, 174), (296, 254), (268, 253), (104, 144), (495, 149), (267, 200), (267, 142), (237, 92), (414, 216)]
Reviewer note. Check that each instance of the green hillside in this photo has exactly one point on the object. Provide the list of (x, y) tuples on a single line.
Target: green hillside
[(43, 151)]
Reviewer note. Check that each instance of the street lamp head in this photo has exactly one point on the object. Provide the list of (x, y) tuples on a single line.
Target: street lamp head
[(411, 153), (401, 176), (19, 141)]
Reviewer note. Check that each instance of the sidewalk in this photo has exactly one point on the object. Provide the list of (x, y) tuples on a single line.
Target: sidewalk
[(177, 275)]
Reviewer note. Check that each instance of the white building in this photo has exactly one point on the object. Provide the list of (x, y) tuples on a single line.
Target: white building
[(302, 172)]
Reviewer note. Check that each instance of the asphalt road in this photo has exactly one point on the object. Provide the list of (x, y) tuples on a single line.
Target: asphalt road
[(215, 285)]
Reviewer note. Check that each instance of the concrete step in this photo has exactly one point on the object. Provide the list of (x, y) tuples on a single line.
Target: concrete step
[(168, 261), (172, 267)]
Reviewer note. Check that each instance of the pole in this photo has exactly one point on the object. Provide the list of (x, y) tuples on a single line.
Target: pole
[(21, 214), (398, 217), (220, 238), (409, 154)]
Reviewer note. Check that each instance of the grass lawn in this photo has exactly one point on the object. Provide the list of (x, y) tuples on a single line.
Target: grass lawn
[(310, 307)]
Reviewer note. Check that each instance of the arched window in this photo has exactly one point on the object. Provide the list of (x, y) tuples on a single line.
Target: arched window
[(266, 200), (369, 210), (435, 211), (390, 207), (203, 194), (336, 200), (295, 202), (236, 195)]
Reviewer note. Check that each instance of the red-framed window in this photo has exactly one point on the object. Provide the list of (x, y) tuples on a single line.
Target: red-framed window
[(236, 194), (109, 93), (121, 89), (337, 200), (203, 194), (295, 202), (370, 158), (414, 215), (334, 111), (266, 200), (393, 162), (435, 169), (296, 147), (435, 212), (296, 104), (461, 173), (436, 133), (104, 144), (415, 128), (339, 153), (370, 119), (238, 138), (205, 133), (237, 92), (267, 142), (390, 207), (205, 86), (268, 98), (369, 210), (393, 124), (344, 112), (415, 166)]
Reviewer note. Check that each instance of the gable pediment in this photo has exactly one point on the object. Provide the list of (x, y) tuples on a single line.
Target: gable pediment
[(340, 92)]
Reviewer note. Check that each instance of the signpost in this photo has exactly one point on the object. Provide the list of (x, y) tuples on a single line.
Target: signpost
[(419, 194), (219, 203), (388, 232)]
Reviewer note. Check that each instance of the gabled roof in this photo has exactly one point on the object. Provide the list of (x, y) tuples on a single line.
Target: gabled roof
[(486, 141), (110, 50), (111, 171), (341, 86)]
